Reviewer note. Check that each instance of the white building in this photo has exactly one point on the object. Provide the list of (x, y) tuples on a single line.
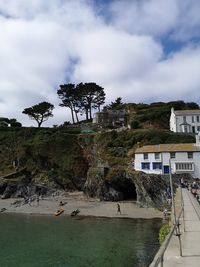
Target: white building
[(185, 121), (156, 159)]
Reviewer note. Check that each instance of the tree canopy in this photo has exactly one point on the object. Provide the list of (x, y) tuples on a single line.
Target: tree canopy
[(117, 104), (81, 98), (40, 112)]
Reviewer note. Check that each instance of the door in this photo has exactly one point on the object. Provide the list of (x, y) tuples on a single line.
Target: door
[(166, 169)]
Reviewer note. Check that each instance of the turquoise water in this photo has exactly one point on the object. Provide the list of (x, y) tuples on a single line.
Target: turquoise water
[(44, 241)]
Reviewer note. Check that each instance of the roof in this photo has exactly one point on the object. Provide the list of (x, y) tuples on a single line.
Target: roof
[(168, 148), (187, 112), (87, 131)]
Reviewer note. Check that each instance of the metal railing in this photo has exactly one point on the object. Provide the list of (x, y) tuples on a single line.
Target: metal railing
[(159, 258)]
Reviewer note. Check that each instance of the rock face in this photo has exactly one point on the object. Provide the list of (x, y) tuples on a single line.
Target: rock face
[(113, 186), (12, 186), (147, 190), (42, 161)]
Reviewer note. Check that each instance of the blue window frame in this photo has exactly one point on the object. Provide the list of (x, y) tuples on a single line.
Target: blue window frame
[(157, 165), (145, 165)]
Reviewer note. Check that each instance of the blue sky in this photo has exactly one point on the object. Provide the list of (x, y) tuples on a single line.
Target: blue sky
[(139, 50)]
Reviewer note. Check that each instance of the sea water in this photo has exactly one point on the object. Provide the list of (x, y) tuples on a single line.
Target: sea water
[(44, 241)]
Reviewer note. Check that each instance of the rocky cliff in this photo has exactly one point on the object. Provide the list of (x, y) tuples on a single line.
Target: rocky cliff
[(42, 161)]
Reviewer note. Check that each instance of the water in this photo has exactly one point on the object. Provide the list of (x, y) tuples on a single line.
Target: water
[(44, 241)]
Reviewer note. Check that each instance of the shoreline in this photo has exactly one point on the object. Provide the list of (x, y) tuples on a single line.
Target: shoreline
[(89, 207)]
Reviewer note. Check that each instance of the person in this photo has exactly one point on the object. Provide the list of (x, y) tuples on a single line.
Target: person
[(38, 199), (61, 203), (29, 201), (118, 208), (165, 213)]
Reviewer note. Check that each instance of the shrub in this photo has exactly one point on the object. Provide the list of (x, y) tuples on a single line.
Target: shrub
[(135, 124), (164, 231)]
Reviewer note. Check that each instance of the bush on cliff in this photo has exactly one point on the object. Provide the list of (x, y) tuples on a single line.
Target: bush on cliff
[(164, 231)]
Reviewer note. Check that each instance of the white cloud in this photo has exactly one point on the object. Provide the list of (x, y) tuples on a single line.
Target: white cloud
[(178, 18), (40, 39), (153, 17), (108, 55)]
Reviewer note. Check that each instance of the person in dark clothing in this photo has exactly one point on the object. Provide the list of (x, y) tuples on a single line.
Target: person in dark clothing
[(118, 208), (38, 200)]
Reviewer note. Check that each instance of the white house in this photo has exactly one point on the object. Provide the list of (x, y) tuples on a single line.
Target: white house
[(183, 158), (185, 121)]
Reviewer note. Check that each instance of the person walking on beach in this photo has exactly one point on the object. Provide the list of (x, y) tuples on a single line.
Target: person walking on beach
[(38, 200), (118, 208)]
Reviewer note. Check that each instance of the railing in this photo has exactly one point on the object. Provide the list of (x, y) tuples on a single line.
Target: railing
[(159, 258)]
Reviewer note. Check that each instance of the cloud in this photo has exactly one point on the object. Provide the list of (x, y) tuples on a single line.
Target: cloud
[(47, 43), (179, 19), (108, 55), (153, 17)]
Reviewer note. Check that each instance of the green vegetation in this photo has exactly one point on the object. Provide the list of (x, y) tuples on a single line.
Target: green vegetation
[(4, 122), (155, 114), (48, 154), (164, 231), (40, 112), (63, 154), (135, 124), (113, 146), (81, 98)]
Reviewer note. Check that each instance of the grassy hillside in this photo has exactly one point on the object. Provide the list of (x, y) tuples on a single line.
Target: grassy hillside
[(154, 115), (62, 155), (116, 147), (48, 154)]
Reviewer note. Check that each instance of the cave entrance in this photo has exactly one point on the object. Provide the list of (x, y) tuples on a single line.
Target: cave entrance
[(129, 190)]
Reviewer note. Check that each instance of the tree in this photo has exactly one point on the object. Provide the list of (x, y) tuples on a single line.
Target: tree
[(117, 104), (68, 94), (40, 112), (4, 121), (81, 98), (90, 96), (15, 123)]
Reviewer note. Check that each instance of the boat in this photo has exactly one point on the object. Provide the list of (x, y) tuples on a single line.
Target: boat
[(58, 212), (75, 212)]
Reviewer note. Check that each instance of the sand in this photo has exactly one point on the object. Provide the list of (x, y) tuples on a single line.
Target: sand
[(77, 200)]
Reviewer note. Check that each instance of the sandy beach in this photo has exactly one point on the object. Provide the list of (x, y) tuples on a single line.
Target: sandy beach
[(77, 200)]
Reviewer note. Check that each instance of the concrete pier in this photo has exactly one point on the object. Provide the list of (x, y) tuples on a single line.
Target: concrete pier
[(190, 236)]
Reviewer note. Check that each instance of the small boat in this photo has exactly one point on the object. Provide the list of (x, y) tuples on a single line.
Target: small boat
[(58, 212), (75, 212)]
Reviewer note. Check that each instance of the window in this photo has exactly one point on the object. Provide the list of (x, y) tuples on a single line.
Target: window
[(157, 155), (145, 155), (192, 118), (184, 119), (145, 165), (157, 166), (197, 118), (198, 128), (172, 155), (190, 155), (184, 166)]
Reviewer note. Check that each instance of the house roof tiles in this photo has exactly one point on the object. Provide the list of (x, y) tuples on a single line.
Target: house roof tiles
[(187, 112), (168, 148)]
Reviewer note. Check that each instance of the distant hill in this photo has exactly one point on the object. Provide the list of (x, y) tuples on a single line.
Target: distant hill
[(154, 115)]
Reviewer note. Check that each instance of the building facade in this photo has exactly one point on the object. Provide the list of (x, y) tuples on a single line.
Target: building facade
[(110, 117), (158, 159), (185, 121)]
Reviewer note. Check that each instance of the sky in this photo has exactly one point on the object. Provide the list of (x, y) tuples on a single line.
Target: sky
[(141, 50)]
